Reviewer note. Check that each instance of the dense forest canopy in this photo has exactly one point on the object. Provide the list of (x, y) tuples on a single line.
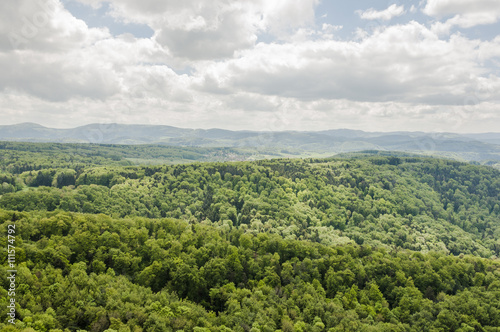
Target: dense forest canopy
[(17, 157), (371, 242)]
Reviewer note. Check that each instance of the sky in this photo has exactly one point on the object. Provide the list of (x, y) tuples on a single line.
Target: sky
[(270, 65)]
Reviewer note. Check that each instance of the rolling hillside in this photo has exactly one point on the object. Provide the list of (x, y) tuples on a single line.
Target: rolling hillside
[(372, 241), (481, 147)]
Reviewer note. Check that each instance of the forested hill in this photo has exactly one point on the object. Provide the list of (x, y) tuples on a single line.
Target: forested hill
[(483, 148), (84, 272), (356, 243), (415, 203)]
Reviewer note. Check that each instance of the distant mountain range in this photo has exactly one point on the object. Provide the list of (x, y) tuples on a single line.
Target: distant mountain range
[(478, 147)]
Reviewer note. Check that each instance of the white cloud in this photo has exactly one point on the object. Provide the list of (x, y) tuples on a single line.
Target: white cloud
[(44, 52), (489, 49), (203, 42), (43, 25), (466, 13), (440, 8), (406, 63), (56, 78), (197, 29), (307, 77), (328, 28), (282, 16), (60, 58), (384, 15), (288, 114)]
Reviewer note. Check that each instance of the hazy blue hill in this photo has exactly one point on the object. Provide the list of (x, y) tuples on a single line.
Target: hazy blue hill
[(30, 132), (129, 134), (406, 142), (493, 138), (224, 134), (471, 147), (348, 133)]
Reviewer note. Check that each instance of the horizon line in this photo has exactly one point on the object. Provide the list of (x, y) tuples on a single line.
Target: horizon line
[(247, 130)]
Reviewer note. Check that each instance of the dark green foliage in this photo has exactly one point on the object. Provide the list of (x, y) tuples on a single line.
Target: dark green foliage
[(16, 157), (368, 243), (92, 272), (9, 183), (407, 202)]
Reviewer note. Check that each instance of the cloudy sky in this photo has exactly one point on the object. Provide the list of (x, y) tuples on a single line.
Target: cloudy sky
[(427, 65)]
